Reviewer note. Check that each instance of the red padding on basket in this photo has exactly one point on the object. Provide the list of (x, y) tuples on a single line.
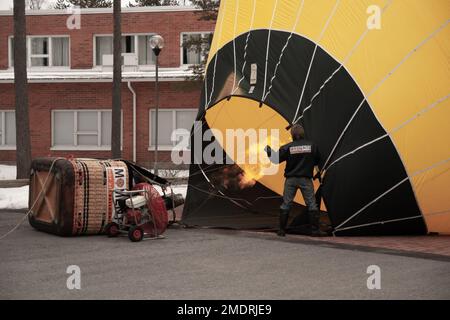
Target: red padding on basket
[(157, 209)]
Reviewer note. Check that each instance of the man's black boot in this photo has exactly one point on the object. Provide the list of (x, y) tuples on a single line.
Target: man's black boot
[(314, 220), (284, 216)]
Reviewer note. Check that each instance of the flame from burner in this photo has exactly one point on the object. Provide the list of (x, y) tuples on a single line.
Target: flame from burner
[(256, 166), (255, 170)]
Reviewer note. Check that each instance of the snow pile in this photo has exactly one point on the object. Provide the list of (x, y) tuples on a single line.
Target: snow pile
[(17, 198), (7, 172), (164, 173), (14, 198), (181, 188)]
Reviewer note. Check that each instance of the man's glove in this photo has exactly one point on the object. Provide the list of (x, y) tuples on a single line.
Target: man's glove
[(268, 150)]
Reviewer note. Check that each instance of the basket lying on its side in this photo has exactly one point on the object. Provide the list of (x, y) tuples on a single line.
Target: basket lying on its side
[(75, 197)]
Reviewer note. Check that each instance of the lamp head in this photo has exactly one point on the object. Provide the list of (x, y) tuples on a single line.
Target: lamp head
[(156, 43)]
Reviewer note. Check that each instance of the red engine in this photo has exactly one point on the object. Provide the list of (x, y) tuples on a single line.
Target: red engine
[(157, 208), (134, 216), (141, 211)]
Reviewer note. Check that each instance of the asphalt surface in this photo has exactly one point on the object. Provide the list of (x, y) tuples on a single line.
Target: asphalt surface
[(206, 264)]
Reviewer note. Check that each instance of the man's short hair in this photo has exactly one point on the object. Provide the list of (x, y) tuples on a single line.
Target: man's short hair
[(297, 132)]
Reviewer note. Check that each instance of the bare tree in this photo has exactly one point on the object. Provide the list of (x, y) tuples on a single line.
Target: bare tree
[(117, 82), (64, 4), (35, 4), (209, 12), (151, 3), (23, 144), (210, 8), (61, 4)]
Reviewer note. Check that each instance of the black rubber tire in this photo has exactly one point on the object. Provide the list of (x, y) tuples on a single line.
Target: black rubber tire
[(112, 229), (135, 234)]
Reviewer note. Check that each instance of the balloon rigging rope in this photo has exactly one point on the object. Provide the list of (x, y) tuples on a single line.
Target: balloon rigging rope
[(361, 38), (245, 48), (416, 173), (320, 89), (236, 199), (206, 177), (314, 54), (378, 85), (234, 44), (217, 54), (406, 122), (213, 81), (221, 195), (274, 9), (297, 19), (375, 223), (341, 65), (35, 201)]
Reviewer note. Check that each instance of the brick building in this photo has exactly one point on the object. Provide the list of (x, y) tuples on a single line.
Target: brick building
[(70, 81)]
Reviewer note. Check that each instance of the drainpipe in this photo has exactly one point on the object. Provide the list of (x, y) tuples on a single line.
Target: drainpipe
[(134, 120)]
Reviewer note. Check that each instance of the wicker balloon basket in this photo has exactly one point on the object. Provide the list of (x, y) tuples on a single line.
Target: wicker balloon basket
[(71, 197)]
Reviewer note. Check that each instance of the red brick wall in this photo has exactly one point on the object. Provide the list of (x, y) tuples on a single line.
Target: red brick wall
[(167, 24), (45, 97)]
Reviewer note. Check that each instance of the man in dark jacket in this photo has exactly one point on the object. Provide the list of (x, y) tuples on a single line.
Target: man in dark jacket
[(301, 156)]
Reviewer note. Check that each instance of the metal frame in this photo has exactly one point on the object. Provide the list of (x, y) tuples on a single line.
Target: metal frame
[(123, 228)]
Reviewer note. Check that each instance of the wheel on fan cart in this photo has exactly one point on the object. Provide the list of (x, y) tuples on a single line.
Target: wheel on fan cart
[(136, 233), (112, 229)]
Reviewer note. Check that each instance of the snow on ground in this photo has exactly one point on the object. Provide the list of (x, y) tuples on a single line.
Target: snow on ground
[(181, 188), (14, 198), (17, 198), (172, 173), (7, 172)]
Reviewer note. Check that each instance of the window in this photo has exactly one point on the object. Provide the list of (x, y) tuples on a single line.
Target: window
[(81, 129), (39, 55), (137, 44), (7, 129), (44, 51), (190, 50), (168, 121)]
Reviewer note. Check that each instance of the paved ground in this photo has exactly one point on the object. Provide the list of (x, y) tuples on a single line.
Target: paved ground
[(425, 246), (210, 264)]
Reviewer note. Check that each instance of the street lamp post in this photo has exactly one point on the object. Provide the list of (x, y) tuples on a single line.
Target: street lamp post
[(157, 44)]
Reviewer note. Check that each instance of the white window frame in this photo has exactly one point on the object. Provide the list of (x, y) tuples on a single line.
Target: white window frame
[(76, 133), (49, 55), (136, 48), (174, 123), (3, 145), (10, 52), (202, 33)]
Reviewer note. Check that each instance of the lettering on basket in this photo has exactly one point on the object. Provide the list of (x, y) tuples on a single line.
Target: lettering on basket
[(119, 178)]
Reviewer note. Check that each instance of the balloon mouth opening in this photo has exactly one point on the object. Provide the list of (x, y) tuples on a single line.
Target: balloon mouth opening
[(243, 128)]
